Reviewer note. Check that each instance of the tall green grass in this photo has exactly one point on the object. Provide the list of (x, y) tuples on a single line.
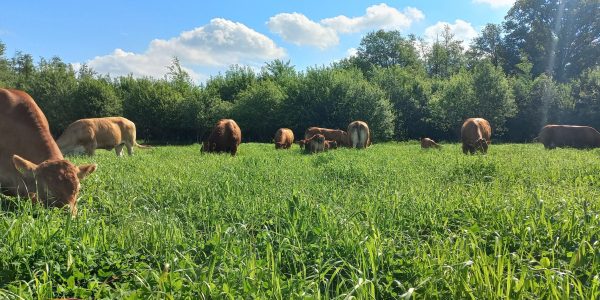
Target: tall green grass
[(388, 222)]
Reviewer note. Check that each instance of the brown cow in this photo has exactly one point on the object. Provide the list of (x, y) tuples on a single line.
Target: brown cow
[(580, 137), (340, 136), (330, 145), (284, 138), (226, 136), (475, 135), (427, 143), (87, 135), (316, 143), (359, 135), (30, 160)]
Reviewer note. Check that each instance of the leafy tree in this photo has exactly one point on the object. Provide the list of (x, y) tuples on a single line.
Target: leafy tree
[(410, 93), (236, 79), (560, 37), (489, 44), (586, 93), (258, 111), (446, 56), (386, 48), (94, 98)]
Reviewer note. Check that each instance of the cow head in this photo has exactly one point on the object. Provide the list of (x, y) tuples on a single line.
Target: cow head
[(279, 145), (481, 145), (57, 180), (331, 145), (301, 143)]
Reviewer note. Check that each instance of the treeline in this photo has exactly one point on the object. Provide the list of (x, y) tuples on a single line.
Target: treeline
[(542, 65)]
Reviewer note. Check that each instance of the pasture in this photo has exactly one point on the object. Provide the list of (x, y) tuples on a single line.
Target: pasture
[(388, 222)]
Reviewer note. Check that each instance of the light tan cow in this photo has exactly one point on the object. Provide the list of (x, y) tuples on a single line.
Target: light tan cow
[(87, 135), (30, 161), (475, 135), (427, 143), (359, 135), (284, 138)]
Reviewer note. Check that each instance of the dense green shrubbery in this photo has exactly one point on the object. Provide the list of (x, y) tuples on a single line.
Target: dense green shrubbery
[(403, 87)]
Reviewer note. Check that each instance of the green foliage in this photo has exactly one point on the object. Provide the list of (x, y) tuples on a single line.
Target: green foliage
[(446, 56), (258, 111), (386, 49), (586, 94), (519, 222)]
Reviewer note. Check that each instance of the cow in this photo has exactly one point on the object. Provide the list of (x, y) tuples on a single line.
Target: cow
[(315, 144), (330, 145), (31, 163), (579, 137), (359, 135), (284, 138), (476, 135), (427, 143), (340, 136), (87, 135), (226, 136)]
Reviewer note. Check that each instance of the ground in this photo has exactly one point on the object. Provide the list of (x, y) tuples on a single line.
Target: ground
[(387, 222)]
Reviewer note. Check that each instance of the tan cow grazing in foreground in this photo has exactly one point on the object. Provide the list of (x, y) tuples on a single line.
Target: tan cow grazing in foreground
[(427, 143), (284, 138), (340, 136), (580, 137), (29, 155), (475, 135), (87, 135), (360, 137), (226, 136)]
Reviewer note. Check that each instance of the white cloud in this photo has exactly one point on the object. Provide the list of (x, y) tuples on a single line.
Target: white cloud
[(496, 3), (219, 43), (351, 52), (379, 16), (298, 29), (462, 30)]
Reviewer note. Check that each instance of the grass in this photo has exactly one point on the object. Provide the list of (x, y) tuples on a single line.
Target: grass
[(389, 222)]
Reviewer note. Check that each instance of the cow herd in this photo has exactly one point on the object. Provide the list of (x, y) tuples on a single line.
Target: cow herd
[(32, 162)]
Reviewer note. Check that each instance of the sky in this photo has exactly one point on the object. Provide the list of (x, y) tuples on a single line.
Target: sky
[(121, 37)]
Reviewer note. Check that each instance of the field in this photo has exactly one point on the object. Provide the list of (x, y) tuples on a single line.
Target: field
[(389, 222)]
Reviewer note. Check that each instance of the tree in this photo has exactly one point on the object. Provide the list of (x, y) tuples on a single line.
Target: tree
[(446, 56), (560, 37), (489, 44), (586, 93), (386, 48), (236, 79)]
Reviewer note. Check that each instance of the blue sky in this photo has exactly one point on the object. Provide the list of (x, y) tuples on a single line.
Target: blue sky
[(140, 37)]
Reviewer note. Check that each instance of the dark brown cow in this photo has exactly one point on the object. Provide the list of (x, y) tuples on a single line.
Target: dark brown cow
[(475, 135), (580, 137), (314, 144), (427, 143), (226, 136), (340, 136), (359, 135), (284, 138), (30, 161)]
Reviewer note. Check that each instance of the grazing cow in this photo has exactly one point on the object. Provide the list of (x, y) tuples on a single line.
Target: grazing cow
[(358, 132), (87, 135), (284, 138), (340, 136), (427, 143), (301, 143), (30, 161), (330, 145), (475, 135), (315, 143), (580, 137), (226, 136)]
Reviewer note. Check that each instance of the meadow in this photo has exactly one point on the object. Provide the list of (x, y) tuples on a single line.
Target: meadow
[(389, 222)]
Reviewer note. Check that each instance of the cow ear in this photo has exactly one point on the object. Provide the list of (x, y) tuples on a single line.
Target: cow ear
[(86, 170), (25, 167)]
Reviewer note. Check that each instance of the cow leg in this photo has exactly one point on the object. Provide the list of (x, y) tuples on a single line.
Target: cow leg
[(465, 149), (90, 148), (129, 148), (119, 149)]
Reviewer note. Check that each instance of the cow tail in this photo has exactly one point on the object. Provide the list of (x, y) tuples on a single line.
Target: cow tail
[(142, 146)]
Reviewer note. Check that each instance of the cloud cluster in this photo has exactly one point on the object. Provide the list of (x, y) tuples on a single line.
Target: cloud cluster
[(496, 3), (462, 30), (298, 29), (219, 43)]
